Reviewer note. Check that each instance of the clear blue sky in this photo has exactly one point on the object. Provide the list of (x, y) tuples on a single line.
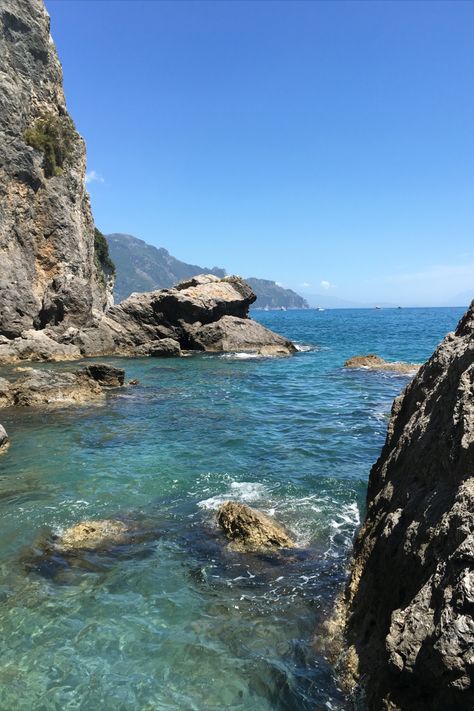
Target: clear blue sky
[(321, 143)]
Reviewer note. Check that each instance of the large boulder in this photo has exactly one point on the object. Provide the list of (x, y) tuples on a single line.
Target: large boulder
[(408, 610), (375, 362), (4, 440), (251, 530), (105, 375), (232, 333)]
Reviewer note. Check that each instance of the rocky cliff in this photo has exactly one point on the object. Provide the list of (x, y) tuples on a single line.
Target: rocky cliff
[(409, 605), (49, 272), (56, 276)]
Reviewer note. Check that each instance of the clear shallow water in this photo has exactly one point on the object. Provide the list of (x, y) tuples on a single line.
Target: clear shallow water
[(179, 622)]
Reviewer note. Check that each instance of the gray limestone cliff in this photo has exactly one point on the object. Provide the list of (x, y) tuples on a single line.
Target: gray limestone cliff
[(408, 610), (49, 273)]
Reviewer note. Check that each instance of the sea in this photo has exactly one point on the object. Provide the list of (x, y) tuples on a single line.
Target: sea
[(178, 621)]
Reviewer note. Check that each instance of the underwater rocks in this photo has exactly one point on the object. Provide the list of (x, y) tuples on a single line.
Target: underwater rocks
[(374, 362), (250, 530), (408, 610), (4, 440), (46, 387)]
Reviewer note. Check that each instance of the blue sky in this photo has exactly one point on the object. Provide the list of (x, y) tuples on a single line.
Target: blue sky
[(326, 145)]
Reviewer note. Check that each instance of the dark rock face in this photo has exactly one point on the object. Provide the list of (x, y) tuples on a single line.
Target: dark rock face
[(48, 272), (409, 605), (106, 375), (249, 529)]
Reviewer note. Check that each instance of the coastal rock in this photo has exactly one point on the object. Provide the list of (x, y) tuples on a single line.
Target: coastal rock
[(250, 530), (46, 387), (49, 271), (92, 535), (36, 346), (4, 440), (374, 362), (231, 333), (105, 375), (6, 396), (164, 348), (408, 609)]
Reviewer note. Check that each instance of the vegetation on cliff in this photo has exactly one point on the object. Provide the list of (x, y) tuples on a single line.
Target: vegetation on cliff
[(54, 136), (101, 252)]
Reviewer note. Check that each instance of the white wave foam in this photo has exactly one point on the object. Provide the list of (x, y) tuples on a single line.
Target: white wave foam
[(245, 491), (305, 347)]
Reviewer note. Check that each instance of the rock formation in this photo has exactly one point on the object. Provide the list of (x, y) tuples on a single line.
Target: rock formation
[(49, 273), (4, 441), (46, 387), (204, 314), (250, 530), (374, 362), (409, 605)]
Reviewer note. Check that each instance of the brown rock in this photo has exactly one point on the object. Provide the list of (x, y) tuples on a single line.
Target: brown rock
[(374, 362), (106, 375), (251, 530), (92, 535)]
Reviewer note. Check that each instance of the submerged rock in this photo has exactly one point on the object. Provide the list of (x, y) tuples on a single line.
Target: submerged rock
[(408, 610), (251, 530), (92, 535), (374, 362), (4, 440), (47, 387)]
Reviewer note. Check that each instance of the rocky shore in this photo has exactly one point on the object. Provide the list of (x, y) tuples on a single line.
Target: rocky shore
[(407, 616)]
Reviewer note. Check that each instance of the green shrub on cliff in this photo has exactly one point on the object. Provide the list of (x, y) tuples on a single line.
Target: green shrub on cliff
[(102, 256), (54, 137)]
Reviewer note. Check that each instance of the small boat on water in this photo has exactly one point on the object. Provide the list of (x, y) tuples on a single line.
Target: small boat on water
[(318, 308)]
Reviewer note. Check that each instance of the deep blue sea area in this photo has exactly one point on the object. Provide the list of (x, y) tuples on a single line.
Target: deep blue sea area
[(179, 622)]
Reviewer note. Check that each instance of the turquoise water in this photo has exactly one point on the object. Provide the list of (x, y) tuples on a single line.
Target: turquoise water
[(179, 622)]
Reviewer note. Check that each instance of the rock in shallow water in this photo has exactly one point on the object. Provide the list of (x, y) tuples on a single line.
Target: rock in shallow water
[(48, 387), (374, 362), (251, 530), (408, 610), (92, 535), (4, 440)]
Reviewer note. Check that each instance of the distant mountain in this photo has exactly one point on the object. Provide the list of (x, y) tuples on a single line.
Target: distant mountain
[(143, 267), (271, 295)]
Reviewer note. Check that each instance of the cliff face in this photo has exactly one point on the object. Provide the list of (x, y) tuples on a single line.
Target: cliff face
[(48, 271), (409, 605)]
